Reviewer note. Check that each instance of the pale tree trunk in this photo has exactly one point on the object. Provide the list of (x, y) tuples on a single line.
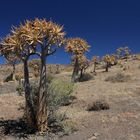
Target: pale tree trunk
[(13, 72), (81, 73), (42, 122), (75, 71), (30, 111)]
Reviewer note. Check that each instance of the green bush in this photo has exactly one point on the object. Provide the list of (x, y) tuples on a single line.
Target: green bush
[(69, 127), (119, 77), (59, 93), (49, 78)]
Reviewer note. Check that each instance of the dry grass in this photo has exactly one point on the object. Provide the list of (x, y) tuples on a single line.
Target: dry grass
[(119, 77), (122, 119)]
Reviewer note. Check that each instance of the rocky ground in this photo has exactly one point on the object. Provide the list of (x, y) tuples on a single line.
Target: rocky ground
[(120, 122)]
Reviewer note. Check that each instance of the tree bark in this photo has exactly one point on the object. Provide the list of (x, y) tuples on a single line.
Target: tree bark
[(75, 71), (81, 73), (107, 65), (94, 67), (30, 111), (42, 122), (13, 72)]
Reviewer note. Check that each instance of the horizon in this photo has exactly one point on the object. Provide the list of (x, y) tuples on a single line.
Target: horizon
[(105, 25)]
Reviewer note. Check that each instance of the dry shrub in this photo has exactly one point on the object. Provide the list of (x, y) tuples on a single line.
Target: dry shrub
[(61, 125), (49, 78), (85, 77), (69, 127), (98, 105), (19, 75), (9, 78), (119, 77)]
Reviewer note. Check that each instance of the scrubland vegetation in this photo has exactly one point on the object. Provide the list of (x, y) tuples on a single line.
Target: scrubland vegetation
[(74, 97)]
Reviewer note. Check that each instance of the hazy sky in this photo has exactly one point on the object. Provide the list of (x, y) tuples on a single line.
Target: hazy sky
[(105, 24)]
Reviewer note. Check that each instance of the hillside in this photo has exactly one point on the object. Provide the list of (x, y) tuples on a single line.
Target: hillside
[(120, 122)]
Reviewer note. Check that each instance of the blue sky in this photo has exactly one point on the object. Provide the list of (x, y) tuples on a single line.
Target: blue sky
[(105, 24)]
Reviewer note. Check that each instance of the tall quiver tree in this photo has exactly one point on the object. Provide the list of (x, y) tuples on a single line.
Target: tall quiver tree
[(83, 64), (17, 43), (35, 37), (12, 60), (76, 47), (127, 52), (107, 60), (119, 52), (50, 36), (95, 61)]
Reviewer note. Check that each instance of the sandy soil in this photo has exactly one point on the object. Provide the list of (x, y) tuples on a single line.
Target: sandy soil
[(120, 122)]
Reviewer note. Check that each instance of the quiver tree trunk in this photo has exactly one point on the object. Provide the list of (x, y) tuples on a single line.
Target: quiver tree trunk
[(13, 72), (42, 122), (30, 110), (107, 66), (81, 73), (75, 71), (94, 70)]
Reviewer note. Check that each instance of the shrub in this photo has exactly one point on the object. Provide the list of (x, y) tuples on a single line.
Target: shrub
[(49, 78), (59, 93), (9, 78), (20, 89), (119, 77), (19, 76), (60, 124), (98, 105), (85, 77), (69, 127)]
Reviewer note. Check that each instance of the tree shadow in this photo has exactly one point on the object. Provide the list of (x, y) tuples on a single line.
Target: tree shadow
[(17, 128)]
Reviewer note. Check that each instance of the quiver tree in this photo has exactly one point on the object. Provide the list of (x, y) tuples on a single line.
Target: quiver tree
[(83, 64), (123, 52), (119, 52), (35, 65), (46, 35), (57, 69), (95, 61), (107, 60), (76, 47), (113, 59), (17, 43), (127, 52), (12, 60), (35, 37)]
